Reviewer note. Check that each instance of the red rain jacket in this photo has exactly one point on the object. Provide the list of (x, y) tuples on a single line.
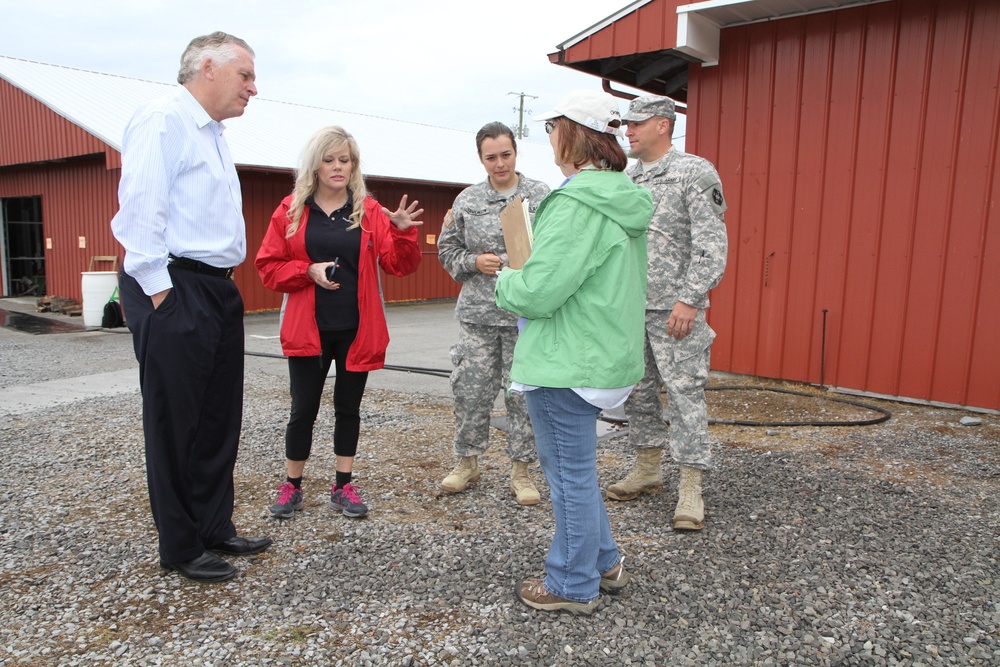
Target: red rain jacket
[(282, 264)]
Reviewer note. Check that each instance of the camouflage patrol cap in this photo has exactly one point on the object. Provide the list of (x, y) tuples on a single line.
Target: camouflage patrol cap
[(647, 106)]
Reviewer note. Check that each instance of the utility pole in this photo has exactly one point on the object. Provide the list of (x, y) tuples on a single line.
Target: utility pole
[(522, 131)]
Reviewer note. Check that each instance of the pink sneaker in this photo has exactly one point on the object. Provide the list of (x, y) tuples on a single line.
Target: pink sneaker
[(289, 500), (346, 499)]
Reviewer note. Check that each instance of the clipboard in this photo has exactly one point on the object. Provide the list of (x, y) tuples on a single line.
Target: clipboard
[(515, 222)]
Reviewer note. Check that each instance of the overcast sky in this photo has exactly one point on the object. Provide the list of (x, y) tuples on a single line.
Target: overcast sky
[(450, 63)]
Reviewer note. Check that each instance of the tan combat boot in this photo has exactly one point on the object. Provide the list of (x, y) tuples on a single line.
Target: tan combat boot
[(466, 472), (522, 486), (690, 512), (646, 477)]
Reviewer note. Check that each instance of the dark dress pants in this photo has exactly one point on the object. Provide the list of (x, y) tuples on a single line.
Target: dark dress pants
[(190, 353)]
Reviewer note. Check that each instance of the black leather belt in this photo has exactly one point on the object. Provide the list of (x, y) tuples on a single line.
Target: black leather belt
[(200, 267)]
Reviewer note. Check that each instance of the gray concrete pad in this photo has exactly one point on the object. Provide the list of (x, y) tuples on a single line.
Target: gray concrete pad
[(420, 337), (25, 398)]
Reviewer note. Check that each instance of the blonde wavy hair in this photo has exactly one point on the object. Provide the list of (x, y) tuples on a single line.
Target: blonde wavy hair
[(328, 139)]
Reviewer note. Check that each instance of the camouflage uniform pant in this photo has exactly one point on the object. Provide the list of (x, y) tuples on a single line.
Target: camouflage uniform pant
[(682, 367), (482, 358)]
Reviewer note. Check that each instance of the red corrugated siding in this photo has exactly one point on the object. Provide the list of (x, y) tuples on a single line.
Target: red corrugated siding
[(650, 28), (262, 191), (78, 199), (430, 281), (859, 153), (52, 137), (78, 195)]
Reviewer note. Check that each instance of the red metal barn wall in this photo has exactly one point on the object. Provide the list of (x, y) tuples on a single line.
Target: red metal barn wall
[(44, 155), (79, 198), (430, 281), (31, 132), (859, 154), (648, 28)]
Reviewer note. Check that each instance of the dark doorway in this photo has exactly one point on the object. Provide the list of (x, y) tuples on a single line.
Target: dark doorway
[(23, 246)]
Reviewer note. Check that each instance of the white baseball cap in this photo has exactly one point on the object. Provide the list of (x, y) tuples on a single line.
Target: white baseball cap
[(591, 108)]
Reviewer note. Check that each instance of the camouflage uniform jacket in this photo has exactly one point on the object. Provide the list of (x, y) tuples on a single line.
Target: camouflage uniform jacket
[(687, 236), (472, 228)]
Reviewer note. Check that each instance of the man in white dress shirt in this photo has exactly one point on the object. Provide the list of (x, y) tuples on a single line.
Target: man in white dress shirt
[(181, 224)]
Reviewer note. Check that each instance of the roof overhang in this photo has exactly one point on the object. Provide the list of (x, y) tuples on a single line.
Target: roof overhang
[(663, 72), (699, 25)]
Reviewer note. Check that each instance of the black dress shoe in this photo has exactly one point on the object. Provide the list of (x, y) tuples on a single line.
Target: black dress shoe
[(206, 569), (241, 546)]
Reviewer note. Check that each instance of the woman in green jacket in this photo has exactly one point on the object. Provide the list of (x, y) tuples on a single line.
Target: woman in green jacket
[(582, 297)]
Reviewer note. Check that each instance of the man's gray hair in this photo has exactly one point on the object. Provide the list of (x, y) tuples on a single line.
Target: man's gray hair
[(217, 47)]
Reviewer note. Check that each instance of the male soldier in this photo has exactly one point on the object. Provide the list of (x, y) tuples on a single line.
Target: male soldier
[(181, 223), (471, 248), (687, 255)]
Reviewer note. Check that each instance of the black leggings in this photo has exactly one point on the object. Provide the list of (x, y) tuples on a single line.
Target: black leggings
[(307, 375)]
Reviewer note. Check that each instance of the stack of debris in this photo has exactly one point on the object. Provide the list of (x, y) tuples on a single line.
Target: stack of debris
[(59, 304)]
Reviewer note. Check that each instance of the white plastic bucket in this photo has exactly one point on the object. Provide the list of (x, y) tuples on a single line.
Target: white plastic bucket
[(98, 288)]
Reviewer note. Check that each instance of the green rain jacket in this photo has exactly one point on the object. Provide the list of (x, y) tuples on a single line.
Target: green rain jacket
[(583, 290)]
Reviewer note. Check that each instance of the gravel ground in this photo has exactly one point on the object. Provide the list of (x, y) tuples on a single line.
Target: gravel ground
[(870, 545)]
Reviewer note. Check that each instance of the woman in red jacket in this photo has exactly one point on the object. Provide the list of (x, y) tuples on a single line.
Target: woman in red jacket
[(323, 249)]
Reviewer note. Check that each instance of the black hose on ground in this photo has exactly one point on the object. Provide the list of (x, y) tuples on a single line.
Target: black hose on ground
[(436, 372), (884, 414)]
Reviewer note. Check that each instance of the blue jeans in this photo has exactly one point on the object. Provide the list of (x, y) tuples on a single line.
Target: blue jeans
[(582, 548)]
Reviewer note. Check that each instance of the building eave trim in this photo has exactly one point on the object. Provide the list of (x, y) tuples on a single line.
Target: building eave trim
[(699, 28)]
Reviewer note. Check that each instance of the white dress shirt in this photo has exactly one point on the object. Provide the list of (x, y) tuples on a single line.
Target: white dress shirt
[(179, 193)]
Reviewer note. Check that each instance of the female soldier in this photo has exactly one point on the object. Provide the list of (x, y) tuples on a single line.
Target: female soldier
[(471, 249)]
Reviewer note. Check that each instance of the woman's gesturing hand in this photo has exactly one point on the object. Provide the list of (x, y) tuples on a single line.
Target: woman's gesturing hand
[(405, 216)]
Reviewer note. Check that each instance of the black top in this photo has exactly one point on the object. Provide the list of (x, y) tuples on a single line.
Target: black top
[(328, 239)]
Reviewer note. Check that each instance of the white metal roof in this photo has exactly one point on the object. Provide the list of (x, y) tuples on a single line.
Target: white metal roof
[(271, 134)]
